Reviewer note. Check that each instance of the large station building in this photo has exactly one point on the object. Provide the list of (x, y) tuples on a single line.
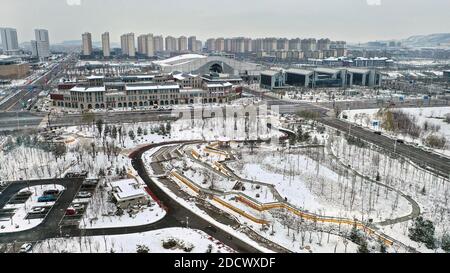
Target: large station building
[(319, 77)]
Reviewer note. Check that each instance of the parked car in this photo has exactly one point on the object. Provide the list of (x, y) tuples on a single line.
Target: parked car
[(71, 211), (84, 194), (90, 182), (51, 192), (25, 248), (37, 210), (47, 198), (24, 192), (78, 206)]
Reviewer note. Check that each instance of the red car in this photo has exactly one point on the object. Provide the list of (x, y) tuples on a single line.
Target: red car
[(71, 211)]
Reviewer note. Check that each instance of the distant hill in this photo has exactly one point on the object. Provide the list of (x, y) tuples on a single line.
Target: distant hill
[(94, 44), (431, 40)]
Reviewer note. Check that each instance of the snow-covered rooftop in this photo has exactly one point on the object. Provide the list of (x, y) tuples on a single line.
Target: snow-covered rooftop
[(88, 89), (180, 59), (152, 87), (299, 71), (127, 189)]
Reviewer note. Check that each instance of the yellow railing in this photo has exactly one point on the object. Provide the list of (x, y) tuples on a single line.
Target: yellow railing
[(311, 217)]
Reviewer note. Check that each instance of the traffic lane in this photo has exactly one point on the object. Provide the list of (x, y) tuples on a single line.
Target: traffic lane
[(180, 212), (419, 156)]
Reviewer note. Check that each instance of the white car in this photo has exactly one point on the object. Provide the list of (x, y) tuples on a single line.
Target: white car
[(84, 194), (78, 206), (38, 210), (25, 248)]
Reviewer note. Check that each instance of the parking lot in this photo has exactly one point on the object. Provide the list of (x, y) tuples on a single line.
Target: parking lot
[(77, 208)]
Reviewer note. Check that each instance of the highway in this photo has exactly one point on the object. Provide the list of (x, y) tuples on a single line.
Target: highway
[(431, 161), (19, 120), (26, 93), (427, 160)]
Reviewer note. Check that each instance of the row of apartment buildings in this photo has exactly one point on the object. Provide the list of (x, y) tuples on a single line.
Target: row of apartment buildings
[(246, 45), (99, 92), (147, 44)]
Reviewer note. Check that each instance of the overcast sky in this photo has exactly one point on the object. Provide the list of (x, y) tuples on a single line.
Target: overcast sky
[(351, 20)]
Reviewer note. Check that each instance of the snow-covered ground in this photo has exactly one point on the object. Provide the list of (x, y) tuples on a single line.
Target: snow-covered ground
[(432, 115), (196, 240), (101, 212), (18, 222)]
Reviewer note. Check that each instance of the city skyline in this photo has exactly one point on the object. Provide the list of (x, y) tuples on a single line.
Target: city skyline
[(288, 19)]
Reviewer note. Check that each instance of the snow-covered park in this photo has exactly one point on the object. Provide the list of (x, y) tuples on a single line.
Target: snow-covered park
[(169, 240)]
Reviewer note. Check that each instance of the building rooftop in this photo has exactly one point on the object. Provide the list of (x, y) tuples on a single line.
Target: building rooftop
[(88, 89), (180, 59), (358, 70), (127, 189), (270, 72), (151, 87), (299, 71), (213, 85), (326, 70)]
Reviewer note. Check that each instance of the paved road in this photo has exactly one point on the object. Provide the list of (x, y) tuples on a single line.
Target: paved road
[(175, 217), (49, 226), (431, 161), (180, 213), (19, 120)]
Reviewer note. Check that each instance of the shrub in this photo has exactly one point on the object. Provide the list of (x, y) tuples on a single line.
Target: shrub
[(423, 231), (435, 141)]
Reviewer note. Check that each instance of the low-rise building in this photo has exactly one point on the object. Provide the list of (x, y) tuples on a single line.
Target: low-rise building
[(13, 68), (128, 192), (98, 92)]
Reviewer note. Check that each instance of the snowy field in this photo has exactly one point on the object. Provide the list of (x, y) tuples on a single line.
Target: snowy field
[(318, 186), (187, 240)]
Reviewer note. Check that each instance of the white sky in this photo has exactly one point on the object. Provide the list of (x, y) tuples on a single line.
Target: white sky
[(351, 20)]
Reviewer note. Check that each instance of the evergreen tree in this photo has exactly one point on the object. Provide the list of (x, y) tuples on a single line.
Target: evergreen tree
[(423, 231)]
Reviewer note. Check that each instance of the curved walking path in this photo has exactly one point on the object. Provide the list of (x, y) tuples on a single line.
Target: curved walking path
[(307, 215), (415, 208)]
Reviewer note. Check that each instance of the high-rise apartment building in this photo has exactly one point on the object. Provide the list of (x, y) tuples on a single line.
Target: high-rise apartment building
[(106, 47), (9, 39), (171, 44), (199, 46), (323, 44), (283, 44), (182, 43), (220, 44), (41, 44), (211, 45), (86, 44), (269, 44), (146, 45), (192, 44), (309, 45), (158, 43), (295, 44), (128, 44)]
